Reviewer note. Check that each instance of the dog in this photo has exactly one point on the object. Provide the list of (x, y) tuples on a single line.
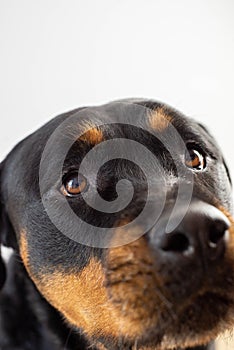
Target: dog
[(82, 277)]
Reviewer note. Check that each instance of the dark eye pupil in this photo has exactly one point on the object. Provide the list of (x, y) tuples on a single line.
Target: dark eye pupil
[(195, 157), (192, 154), (73, 183)]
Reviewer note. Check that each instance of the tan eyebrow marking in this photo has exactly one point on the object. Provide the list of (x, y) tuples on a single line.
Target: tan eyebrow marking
[(159, 120), (92, 134)]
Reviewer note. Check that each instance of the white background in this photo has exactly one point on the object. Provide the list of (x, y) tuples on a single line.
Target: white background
[(58, 55)]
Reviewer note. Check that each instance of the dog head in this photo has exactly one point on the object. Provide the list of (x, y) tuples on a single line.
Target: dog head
[(122, 217)]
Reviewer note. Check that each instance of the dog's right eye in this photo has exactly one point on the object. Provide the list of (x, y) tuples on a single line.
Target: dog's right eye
[(194, 159), (73, 184)]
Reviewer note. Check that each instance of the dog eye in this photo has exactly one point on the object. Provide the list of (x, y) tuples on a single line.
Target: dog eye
[(195, 160), (73, 184)]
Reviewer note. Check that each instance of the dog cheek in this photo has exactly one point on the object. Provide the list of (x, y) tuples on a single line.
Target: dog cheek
[(94, 301), (84, 300), (81, 297)]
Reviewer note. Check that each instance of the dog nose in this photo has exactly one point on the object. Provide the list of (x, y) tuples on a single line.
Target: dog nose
[(204, 229)]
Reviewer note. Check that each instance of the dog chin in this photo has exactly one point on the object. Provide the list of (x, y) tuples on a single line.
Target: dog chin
[(195, 324), (208, 316)]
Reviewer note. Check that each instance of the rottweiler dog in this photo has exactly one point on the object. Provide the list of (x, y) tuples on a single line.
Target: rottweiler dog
[(136, 252)]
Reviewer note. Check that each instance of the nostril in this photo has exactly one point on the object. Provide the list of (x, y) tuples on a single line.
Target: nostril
[(217, 233), (176, 242)]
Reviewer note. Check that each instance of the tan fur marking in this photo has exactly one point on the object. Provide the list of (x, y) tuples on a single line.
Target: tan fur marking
[(92, 134), (81, 298), (24, 248), (159, 120), (133, 286), (84, 300), (228, 215), (231, 232)]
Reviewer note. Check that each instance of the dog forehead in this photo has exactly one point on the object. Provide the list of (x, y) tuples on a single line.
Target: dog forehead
[(151, 116), (119, 116)]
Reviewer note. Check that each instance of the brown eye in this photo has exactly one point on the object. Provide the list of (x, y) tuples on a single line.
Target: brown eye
[(74, 184), (195, 160)]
